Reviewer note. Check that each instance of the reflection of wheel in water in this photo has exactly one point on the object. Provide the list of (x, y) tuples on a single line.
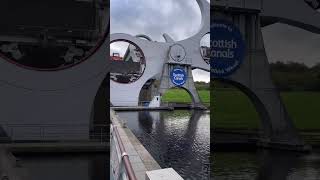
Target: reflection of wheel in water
[(128, 62), (51, 35)]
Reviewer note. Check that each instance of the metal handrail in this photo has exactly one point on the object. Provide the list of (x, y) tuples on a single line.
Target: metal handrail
[(124, 156)]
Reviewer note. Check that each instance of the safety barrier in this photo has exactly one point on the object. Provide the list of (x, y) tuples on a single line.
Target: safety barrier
[(120, 163)]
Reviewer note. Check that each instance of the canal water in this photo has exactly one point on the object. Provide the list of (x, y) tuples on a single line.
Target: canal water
[(179, 139), (265, 165), (65, 167)]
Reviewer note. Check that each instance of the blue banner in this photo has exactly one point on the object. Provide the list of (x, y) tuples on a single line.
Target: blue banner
[(178, 76), (227, 48)]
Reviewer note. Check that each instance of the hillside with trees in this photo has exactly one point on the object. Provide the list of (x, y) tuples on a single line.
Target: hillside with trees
[(294, 76), (291, 76)]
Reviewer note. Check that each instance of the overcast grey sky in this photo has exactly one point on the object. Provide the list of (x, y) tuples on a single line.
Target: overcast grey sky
[(178, 18), (288, 43)]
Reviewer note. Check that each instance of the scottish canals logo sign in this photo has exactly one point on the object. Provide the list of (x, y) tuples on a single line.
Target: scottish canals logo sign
[(228, 48), (178, 76)]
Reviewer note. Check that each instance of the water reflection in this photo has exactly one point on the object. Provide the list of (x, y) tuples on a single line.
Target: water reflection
[(66, 167), (266, 165), (178, 139)]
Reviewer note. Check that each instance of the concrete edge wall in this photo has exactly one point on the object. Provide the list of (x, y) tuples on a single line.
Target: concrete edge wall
[(141, 160)]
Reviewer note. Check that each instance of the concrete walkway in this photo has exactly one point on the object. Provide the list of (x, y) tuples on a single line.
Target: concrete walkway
[(141, 160)]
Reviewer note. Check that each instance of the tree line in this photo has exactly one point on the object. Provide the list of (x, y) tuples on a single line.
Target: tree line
[(291, 76)]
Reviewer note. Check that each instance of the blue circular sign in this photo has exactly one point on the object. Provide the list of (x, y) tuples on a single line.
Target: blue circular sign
[(178, 76), (227, 48)]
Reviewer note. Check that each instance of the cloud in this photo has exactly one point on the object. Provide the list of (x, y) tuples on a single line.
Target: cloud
[(119, 47), (200, 75), (178, 18)]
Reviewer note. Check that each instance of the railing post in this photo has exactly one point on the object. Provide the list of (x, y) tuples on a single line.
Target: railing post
[(101, 136)]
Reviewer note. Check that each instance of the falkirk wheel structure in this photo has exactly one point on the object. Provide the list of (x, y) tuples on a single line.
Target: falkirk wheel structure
[(253, 76), (53, 69), (170, 63)]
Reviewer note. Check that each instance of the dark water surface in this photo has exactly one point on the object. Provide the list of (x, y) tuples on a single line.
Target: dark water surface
[(65, 167), (265, 165), (179, 139)]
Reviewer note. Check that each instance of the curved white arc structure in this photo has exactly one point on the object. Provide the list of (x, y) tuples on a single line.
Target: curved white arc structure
[(168, 38), (60, 97), (293, 12), (156, 55), (192, 44), (17, 76)]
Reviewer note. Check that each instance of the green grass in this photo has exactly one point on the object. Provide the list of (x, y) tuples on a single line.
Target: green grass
[(303, 107), (182, 96), (233, 110)]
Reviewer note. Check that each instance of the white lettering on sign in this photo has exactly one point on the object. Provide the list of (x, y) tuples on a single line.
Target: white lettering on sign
[(228, 47), (178, 77), (228, 69), (224, 44)]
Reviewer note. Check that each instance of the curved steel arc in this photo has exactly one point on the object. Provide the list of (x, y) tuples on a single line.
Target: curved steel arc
[(297, 13), (192, 44), (156, 55)]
